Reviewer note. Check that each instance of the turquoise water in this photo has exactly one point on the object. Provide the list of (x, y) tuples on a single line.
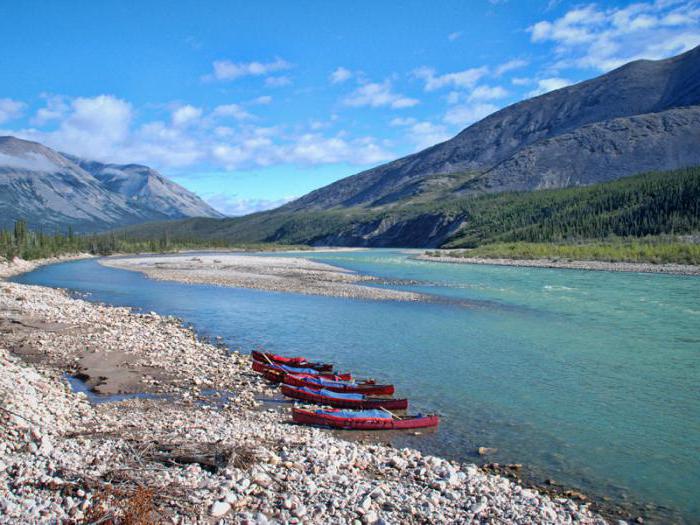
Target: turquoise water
[(590, 378)]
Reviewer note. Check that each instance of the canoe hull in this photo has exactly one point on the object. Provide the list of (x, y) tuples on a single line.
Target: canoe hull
[(367, 403), (369, 389), (306, 417)]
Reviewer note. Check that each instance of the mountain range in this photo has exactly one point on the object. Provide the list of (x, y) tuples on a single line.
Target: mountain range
[(642, 117), (51, 190)]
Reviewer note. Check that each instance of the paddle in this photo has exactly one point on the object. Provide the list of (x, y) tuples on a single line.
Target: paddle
[(268, 359), (390, 413)]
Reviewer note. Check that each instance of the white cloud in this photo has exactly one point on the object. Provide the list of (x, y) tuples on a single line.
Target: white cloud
[(186, 115), (231, 110), (424, 134), (487, 93), (261, 149), (340, 75), (402, 121), (55, 109), (376, 94), (459, 79), (510, 66), (91, 127), (454, 36), (10, 109), (227, 70), (464, 114), (28, 161), (521, 81), (545, 85), (103, 128), (278, 81), (605, 38), (262, 100), (235, 206)]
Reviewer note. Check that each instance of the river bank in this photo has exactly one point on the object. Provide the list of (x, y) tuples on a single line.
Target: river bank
[(20, 266), (278, 274), (201, 447), (603, 266)]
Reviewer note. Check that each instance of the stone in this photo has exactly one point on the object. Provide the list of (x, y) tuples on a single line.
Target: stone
[(478, 506), (219, 509), (486, 451)]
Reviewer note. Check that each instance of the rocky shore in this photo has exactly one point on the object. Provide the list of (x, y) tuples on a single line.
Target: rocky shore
[(603, 266), (197, 444), (279, 274), (18, 266)]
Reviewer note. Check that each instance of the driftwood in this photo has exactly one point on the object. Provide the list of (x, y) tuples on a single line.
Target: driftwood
[(212, 457)]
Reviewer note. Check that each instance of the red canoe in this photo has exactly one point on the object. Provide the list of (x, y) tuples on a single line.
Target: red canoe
[(367, 387), (343, 400), (264, 368), (295, 362), (361, 419)]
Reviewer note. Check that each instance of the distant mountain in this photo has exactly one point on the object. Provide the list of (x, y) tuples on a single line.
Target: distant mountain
[(637, 118), (49, 189)]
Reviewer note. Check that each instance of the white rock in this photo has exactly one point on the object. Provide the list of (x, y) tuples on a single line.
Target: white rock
[(219, 509)]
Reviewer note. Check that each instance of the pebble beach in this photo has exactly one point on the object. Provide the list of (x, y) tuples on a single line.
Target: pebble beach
[(195, 442)]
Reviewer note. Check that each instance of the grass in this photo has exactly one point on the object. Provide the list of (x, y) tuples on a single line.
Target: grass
[(653, 251)]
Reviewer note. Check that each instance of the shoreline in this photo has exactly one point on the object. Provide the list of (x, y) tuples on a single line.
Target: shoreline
[(64, 458), (20, 266), (275, 274), (599, 266)]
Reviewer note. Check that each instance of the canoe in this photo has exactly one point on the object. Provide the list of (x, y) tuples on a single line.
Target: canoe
[(295, 362), (361, 419), (367, 387), (262, 368), (343, 400)]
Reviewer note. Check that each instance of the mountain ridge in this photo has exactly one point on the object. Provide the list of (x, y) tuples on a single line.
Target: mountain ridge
[(637, 88), (50, 189)]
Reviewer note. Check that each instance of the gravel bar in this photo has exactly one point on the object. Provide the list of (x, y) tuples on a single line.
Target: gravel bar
[(278, 274)]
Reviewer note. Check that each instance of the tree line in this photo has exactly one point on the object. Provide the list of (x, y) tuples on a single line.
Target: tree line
[(20, 241)]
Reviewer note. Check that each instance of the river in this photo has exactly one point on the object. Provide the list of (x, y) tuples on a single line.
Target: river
[(589, 378)]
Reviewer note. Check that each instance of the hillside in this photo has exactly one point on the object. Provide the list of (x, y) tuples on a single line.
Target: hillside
[(649, 204), (51, 190), (634, 119)]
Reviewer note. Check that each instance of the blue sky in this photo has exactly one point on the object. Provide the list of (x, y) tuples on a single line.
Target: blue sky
[(253, 103)]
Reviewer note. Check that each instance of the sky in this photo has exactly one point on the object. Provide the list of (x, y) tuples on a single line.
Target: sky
[(251, 104)]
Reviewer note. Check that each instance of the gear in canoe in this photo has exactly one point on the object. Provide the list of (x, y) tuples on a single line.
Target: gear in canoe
[(361, 419), (316, 382), (293, 362), (327, 397), (262, 368)]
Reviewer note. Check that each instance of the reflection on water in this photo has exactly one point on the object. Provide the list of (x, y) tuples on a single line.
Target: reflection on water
[(590, 378)]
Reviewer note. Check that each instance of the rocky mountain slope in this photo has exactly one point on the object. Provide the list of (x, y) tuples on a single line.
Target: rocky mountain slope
[(50, 190), (637, 118)]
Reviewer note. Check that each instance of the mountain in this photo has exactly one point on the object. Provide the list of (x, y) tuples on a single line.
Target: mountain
[(642, 119), (149, 188), (49, 189), (637, 118)]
